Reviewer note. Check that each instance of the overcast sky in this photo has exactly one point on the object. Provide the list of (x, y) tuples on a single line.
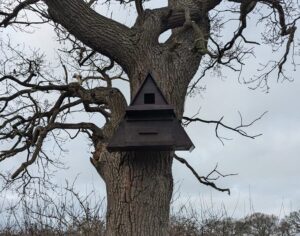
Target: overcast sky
[(267, 167)]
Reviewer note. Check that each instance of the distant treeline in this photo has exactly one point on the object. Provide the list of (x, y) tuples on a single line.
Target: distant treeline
[(256, 224)]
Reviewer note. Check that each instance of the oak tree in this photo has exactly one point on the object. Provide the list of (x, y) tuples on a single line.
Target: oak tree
[(36, 104)]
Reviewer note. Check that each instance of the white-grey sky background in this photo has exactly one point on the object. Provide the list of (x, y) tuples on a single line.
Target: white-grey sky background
[(267, 167)]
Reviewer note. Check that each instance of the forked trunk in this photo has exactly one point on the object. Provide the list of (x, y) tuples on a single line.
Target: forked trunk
[(140, 184)]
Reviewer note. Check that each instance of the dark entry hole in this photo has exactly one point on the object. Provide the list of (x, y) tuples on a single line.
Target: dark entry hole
[(149, 98), (148, 133)]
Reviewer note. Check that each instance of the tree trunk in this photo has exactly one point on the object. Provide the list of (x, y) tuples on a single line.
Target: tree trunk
[(139, 191), (140, 184)]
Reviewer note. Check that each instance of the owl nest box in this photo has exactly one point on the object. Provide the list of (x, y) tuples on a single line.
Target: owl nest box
[(149, 124)]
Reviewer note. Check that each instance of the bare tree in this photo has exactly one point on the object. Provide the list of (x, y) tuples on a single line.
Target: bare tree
[(261, 224), (293, 220), (37, 104)]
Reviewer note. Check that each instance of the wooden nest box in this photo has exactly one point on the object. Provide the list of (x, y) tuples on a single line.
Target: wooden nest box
[(150, 124)]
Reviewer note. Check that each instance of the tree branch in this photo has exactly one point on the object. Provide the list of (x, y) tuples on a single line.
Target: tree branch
[(98, 32), (139, 7), (35, 154), (206, 180), (176, 17), (238, 129), (279, 22), (9, 16)]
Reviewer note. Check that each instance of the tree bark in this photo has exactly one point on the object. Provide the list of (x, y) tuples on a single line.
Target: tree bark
[(139, 189)]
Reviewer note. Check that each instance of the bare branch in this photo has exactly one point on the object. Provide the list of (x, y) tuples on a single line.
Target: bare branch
[(9, 16), (238, 129), (139, 7), (206, 180), (35, 154)]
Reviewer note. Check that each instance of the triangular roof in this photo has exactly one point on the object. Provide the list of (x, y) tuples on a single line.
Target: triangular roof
[(149, 83)]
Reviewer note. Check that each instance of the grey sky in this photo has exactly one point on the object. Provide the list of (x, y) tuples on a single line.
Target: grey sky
[(268, 166)]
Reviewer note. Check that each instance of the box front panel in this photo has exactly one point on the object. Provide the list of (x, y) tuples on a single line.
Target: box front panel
[(149, 133)]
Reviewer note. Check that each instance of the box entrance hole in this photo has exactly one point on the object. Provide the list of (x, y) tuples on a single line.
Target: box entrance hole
[(149, 98)]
